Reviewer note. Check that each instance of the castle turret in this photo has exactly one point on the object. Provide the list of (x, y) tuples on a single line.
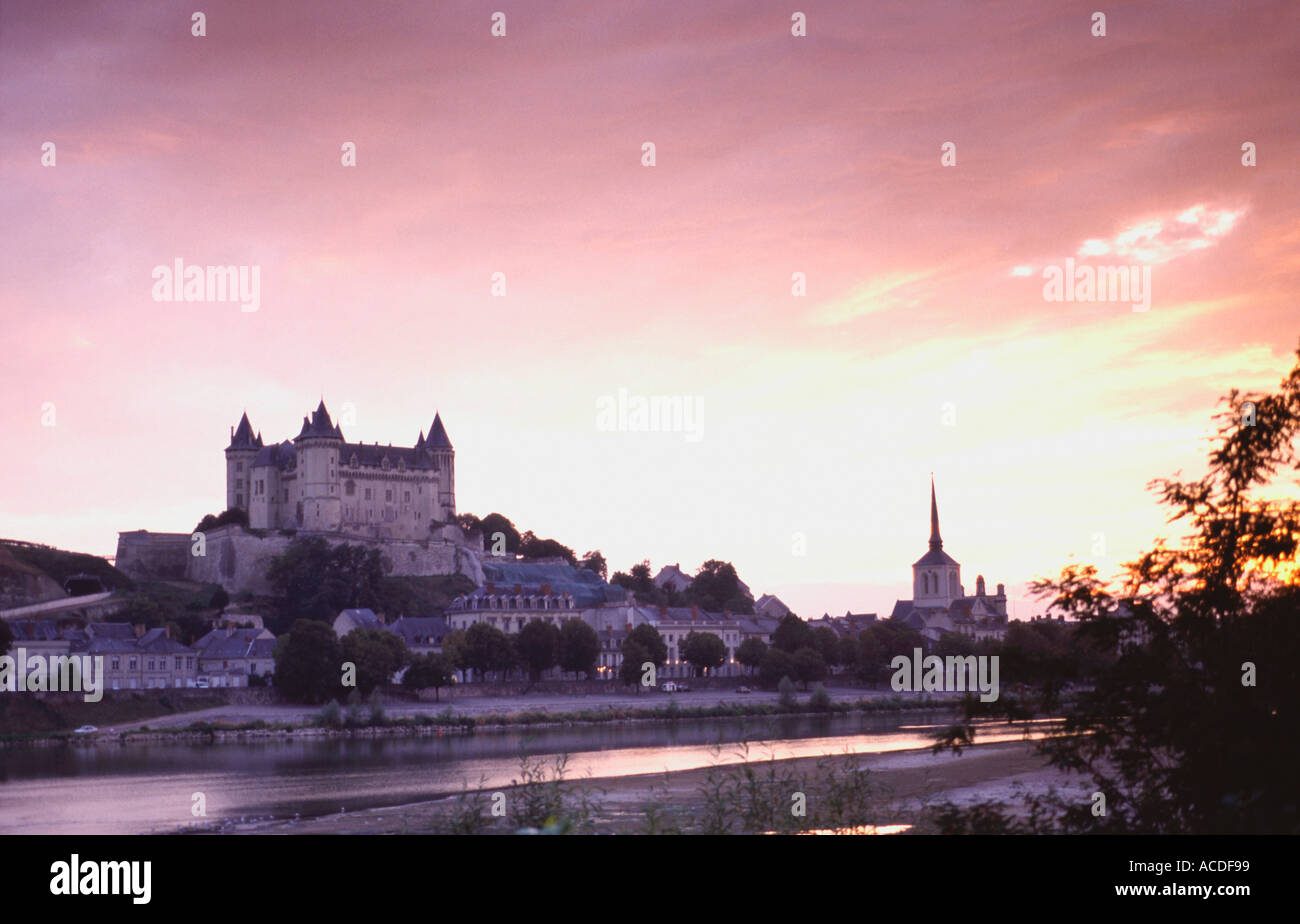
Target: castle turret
[(319, 506), (239, 461), (444, 460)]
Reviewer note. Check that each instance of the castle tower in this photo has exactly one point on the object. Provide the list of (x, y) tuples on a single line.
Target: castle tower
[(320, 507), (444, 459), (239, 462), (936, 576)]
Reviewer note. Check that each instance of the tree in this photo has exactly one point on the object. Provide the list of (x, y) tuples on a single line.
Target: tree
[(594, 561), (314, 580), (533, 546), (579, 646), (637, 579), (809, 666), (469, 523), (495, 523), (716, 587), (776, 664), (536, 645), (827, 643), (308, 662), (751, 653), (704, 651), (377, 654), (635, 657), (234, 515), (846, 652), (648, 637), (488, 650), (455, 645), (785, 688), (792, 634), (428, 670), (879, 644), (1191, 727)]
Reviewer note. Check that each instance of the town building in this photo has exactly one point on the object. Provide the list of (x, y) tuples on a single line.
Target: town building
[(232, 657)]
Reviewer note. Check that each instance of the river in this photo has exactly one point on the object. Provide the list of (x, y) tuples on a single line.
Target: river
[(144, 788)]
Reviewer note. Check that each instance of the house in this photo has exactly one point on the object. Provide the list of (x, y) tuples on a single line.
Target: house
[(422, 634), (229, 657), (137, 658), (671, 577), (768, 605)]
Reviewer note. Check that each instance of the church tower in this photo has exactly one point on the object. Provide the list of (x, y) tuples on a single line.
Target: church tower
[(936, 576), (319, 505)]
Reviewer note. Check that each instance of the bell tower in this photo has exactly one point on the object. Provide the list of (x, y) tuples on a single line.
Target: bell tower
[(936, 576)]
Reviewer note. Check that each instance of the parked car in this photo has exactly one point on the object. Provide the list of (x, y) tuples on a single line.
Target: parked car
[(86, 730), (202, 683), (744, 690), (683, 688), (669, 687)]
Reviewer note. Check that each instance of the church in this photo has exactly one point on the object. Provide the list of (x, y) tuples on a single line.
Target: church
[(939, 602), (319, 482)]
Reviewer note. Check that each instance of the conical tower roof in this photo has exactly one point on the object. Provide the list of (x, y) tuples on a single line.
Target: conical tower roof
[(438, 438)]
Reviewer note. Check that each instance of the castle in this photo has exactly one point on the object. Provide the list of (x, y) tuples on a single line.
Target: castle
[(319, 482), (939, 603)]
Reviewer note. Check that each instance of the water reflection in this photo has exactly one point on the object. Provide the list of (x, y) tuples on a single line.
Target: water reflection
[(142, 788)]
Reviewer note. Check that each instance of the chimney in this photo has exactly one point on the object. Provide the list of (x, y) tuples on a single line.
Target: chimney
[(979, 586), (167, 631), (1002, 590), (628, 627), (380, 617), (663, 612), (139, 629), (491, 588), (695, 613), (519, 588), (546, 590)]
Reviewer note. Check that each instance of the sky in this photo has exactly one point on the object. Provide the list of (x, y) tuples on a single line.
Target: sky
[(919, 338)]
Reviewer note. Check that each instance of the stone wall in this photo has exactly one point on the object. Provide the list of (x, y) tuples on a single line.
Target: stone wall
[(153, 556), (238, 560)]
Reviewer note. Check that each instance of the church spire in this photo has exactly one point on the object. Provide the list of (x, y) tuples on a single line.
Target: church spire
[(936, 542)]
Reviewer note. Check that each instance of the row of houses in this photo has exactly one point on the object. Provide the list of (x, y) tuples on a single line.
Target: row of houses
[(139, 658)]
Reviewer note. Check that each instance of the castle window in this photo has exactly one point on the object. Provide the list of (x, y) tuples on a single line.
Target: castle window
[(367, 493), (408, 497), (239, 466), (239, 500), (350, 488), (401, 465), (388, 495)]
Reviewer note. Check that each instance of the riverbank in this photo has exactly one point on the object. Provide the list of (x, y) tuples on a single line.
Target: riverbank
[(249, 722), (891, 791)]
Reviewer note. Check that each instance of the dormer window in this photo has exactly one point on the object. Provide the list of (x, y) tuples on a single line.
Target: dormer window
[(401, 465), (384, 463), (354, 461)]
